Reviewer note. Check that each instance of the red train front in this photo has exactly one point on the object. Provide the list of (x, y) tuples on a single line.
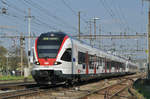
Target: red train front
[(51, 58)]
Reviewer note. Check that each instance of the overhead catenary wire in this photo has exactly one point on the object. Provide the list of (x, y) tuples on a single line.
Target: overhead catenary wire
[(37, 22), (117, 13), (72, 10), (45, 15), (23, 13), (13, 6), (123, 17), (40, 19), (47, 12), (112, 13)]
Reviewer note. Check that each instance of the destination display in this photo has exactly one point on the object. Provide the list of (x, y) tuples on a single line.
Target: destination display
[(50, 38)]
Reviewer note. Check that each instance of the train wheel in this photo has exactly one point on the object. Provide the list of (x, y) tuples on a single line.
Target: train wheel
[(69, 83), (53, 82)]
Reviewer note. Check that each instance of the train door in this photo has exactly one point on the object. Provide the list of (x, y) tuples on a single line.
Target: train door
[(101, 64), (95, 63), (113, 67), (66, 58), (105, 65), (127, 67), (110, 63), (87, 63), (81, 62)]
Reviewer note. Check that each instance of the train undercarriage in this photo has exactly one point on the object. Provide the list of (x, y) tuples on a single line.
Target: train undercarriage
[(53, 77)]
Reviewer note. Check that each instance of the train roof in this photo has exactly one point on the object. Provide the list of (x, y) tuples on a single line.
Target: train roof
[(48, 34), (103, 53)]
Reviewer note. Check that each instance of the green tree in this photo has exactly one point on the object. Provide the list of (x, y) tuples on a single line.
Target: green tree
[(3, 51), (14, 58), (3, 59)]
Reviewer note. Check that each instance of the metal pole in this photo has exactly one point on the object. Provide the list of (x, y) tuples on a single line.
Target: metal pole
[(137, 45), (21, 53), (90, 33), (95, 18), (29, 40), (79, 25), (149, 42), (99, 34), (95, 28)]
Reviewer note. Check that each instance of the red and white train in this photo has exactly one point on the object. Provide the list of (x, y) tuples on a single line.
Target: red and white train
[(60, 58)]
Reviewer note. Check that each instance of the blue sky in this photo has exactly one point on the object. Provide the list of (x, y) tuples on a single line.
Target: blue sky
[(116, 16)]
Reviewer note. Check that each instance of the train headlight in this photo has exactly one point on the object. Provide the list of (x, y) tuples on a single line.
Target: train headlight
[(57, 63), (37, 63)]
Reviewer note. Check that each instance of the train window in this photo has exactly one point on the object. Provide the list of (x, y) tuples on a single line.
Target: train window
[(48, 47), (84, 65), (100, 61), (91, 61), (67, 55), (108, 65), (81, 58), (114, 64)]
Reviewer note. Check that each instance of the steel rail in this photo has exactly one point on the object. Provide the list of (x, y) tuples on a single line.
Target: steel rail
[(16, 85), (107, 88), (28, 91), (19, 93)]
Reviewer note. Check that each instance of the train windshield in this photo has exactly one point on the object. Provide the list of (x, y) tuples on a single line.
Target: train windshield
[(48, 47)]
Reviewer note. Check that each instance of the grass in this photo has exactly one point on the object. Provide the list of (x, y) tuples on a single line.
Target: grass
[(5, 78), (143, 88)]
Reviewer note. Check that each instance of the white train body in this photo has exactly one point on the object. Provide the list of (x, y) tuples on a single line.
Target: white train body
[(58, 57)]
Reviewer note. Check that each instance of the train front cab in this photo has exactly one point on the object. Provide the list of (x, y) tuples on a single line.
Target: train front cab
[(60, 70)]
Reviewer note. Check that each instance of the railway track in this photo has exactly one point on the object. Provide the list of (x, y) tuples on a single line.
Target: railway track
[(28, 92), (105, 89), (18, 93), (15, 85), (111, 91)]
